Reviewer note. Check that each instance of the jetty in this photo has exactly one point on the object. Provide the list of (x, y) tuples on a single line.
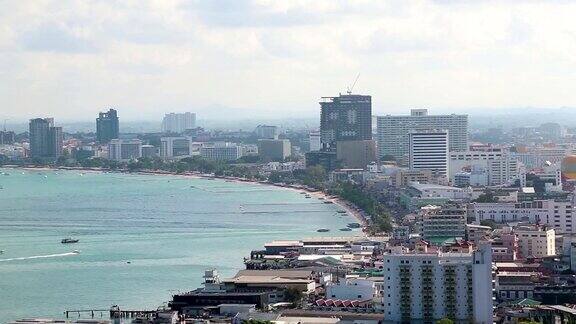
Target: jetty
[(113, 312)]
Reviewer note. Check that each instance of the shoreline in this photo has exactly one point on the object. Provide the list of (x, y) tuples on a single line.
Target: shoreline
[(350, 209)]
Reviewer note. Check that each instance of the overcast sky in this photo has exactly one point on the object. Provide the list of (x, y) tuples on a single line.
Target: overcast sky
[(71, 59)]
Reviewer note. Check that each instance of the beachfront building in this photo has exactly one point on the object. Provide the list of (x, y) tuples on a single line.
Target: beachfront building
[(221, 151), (178, 122), (428, 286), (352, 288), (274, 149), (124, 149)]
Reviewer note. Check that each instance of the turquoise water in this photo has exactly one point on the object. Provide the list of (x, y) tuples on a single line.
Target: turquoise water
[(170, 229)]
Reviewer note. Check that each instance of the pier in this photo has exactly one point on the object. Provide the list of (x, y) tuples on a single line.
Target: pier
[(113, 313)]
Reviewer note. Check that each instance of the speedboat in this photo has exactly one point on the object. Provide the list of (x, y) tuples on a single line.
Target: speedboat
[(354, 225), (346, 229), (76, 251), (69, 240), (323, 230)]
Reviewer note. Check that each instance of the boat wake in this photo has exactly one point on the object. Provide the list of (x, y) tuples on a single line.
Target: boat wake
[(40, 257)]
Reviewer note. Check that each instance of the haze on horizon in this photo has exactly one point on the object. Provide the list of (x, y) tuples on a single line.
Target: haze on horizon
[(262, 58)]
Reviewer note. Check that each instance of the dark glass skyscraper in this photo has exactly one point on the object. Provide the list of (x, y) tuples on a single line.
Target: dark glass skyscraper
[(345, 118), (45, 139), (107, 126)]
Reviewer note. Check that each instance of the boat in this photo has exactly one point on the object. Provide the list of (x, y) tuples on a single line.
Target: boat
[(328, 202), (323, 230), (341, 211), (353, 225), (69, 240), (307, 196), (76, 251), (346, 229), (320, 198)]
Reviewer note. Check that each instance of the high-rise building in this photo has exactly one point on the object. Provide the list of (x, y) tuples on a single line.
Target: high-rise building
[(356, 154), (7, 137), (178, 122), (124, 149), (274, 149), (429, 151), (423, 286), (345, 118), (107, 126), (266, 132), (45, 139), (442, 223), (393, 131)]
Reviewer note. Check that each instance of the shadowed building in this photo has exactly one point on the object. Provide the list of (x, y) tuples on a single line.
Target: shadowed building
[(107, 126)]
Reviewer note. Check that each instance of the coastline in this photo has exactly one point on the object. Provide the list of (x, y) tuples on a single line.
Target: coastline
[(350, 209)]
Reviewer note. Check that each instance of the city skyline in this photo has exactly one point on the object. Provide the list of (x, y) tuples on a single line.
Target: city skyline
[(271, 59)]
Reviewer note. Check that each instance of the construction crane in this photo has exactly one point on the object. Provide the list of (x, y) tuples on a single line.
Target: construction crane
[(350, 88)]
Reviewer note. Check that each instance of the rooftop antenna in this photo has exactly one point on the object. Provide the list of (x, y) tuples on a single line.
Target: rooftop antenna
[(350, 88)]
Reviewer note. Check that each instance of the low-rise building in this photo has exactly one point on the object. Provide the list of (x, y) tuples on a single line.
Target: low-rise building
[(221, 151), (536, 241)]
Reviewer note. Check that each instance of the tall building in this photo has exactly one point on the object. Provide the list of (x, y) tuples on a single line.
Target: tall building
[(7, 137), (393, 131), (178, 122), (356, 154), (345, 118), (274, 149), (266, 132), (442, 223), (107, 126), (314, 141), (45, 139), (428, 286), (124, 149), (429, 151), (536, 241)]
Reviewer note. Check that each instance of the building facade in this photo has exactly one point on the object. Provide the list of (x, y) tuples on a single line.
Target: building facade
[(266, 132), (422, 286), (393, 131), (345, 118), (356, 154), (429, 151), (174, 147), (107, 126), (124, 149), (443, 222), (536, 241), (274, 149), (178, 122), (45, 139), (221, 151)]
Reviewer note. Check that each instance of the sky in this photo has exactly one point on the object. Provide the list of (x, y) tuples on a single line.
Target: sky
[(241, 59)]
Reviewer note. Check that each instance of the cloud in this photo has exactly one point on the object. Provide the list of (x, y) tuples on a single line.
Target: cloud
[(52, 37)]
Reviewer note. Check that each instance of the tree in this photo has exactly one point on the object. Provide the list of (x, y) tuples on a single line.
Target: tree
[(293, 296)]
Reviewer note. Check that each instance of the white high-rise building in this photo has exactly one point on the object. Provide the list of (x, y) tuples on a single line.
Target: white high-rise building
[(393, 131), (536, 241), (428, 286), (124, 149), (499, 165), (178, 122), (429, 151)]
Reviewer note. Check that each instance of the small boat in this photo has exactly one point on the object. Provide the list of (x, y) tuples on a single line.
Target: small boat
[(328, 202), (320, 198), (341, 211), (307, 196), (76, 251), (323, 230), (69, 240), (353, 225), (346, 229)]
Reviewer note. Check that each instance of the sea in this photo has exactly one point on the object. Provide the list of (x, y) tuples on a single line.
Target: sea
[(142, 238)]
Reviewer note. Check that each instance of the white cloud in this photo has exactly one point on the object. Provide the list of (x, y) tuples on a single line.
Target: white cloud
[(265, 57)]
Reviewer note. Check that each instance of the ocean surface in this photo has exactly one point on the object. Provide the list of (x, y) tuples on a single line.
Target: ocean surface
[(169, 228)]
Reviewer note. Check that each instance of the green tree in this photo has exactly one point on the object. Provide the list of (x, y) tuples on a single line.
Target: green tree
[(445, 321)]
